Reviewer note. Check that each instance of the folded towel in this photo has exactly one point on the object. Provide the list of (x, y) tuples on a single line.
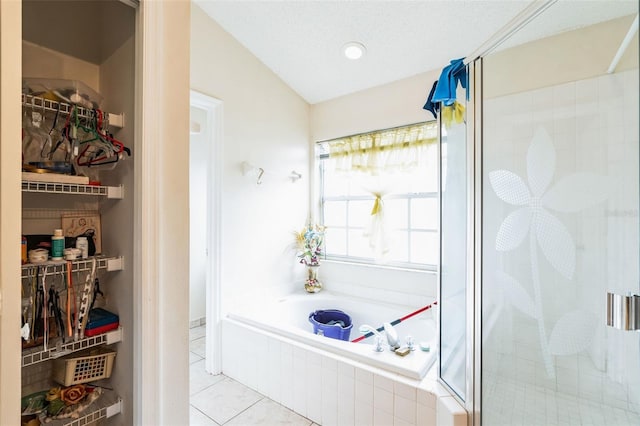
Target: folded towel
[(453, 73)]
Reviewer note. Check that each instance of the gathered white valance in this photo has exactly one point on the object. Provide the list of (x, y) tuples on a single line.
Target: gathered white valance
[(392, 150)]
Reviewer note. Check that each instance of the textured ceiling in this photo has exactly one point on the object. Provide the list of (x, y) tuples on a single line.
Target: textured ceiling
[(301, 40)]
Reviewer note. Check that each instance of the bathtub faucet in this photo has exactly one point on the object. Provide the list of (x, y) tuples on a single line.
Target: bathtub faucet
[(389, 331), (392, 336)]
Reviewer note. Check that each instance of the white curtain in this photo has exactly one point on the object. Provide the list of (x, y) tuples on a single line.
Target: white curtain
[(380, 162)]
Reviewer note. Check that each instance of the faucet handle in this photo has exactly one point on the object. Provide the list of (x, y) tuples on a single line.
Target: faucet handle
[(378, 345), (411, 343)]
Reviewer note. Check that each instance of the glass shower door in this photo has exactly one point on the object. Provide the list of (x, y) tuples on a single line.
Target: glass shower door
[(560, 181), (454, 192)]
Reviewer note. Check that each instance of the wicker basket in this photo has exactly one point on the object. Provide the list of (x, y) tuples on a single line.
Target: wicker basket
[(85, 366)]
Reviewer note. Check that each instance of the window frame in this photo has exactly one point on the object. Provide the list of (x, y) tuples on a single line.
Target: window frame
[(320, 159)]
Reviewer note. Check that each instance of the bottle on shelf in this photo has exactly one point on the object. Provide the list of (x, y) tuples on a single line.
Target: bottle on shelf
[(83, 244), (23, 247), (57, 245)]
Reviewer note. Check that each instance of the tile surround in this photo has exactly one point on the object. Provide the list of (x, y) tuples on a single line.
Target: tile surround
[(336, 390)]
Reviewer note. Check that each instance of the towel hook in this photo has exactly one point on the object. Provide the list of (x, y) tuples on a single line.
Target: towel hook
[(260, 173)]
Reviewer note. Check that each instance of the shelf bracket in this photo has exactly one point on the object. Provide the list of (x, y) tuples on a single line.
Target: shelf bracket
[(115, 192), (114, 409), (116, 264), (114, 336), (116, 120)]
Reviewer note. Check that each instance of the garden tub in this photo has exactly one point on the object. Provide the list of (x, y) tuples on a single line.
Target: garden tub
[(289, 317)]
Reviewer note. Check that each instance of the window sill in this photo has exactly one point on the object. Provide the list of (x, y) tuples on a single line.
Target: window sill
[(428, 270)]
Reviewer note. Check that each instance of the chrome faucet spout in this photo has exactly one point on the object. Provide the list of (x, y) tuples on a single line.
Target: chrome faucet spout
[(392, 336)]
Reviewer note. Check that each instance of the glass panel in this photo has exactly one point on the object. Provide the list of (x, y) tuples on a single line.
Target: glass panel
[(395, 212), (560, 223), (335, 213), (399, 247), (453, 270), (358, 244), (426, 179), (424, 248), (360, 213), (333, 183), (424, 213), (336, 241)]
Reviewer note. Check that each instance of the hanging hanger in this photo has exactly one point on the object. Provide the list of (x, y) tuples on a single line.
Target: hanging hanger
[(102, 148)]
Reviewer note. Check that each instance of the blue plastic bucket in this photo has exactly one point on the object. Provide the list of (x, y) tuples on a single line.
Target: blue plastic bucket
[(331, 323)]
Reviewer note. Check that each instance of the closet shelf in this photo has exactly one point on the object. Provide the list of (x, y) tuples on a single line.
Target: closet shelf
[(115, 120), (114, 192), (58, 266), (35, 355), (108, 405)]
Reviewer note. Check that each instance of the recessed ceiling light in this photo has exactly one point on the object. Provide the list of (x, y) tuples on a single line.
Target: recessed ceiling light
[(353, 50)]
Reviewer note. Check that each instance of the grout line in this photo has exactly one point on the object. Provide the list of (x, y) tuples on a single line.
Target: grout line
[(204, 414), (198, 355), (263, 397), (202, 390)]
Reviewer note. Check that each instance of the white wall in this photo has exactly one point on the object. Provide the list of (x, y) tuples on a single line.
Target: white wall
[(394, 104), (569, 56), (41, 62), (198, 154), (267, 124), (117, 84), (389, 105)]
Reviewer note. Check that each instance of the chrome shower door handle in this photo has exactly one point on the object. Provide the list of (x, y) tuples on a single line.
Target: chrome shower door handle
[(623, 312)]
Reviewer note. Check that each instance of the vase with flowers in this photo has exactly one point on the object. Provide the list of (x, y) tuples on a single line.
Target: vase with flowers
[(310, 243)]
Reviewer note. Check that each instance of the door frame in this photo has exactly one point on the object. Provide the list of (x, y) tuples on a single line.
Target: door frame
[(10, 218), (213, 340)]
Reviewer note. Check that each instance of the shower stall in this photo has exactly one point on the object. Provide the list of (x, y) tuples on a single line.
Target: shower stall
[(539, 222)]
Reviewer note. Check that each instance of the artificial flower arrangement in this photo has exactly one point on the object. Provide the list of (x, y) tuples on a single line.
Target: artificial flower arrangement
[(310, 242)]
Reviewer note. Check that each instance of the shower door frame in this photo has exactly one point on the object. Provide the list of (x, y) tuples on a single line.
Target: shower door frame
[(474, 135), (474, 290), (468, 402)]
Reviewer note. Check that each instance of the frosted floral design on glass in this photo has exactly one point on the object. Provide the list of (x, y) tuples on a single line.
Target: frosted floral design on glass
[(571, 194), (574, 331)]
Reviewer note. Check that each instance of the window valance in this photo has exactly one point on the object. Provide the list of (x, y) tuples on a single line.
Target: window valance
[(388, 150)]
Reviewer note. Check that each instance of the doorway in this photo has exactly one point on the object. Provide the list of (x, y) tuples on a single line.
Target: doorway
[(204, 206)]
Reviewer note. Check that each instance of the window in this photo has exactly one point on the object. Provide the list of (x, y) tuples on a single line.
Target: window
[(379, 197)]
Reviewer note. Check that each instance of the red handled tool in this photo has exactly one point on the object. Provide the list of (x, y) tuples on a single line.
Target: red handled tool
[(398, 321)]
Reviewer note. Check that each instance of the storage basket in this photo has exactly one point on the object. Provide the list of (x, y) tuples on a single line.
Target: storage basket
[(85, 366)]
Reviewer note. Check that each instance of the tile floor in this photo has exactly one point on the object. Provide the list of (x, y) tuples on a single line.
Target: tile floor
[(219, 400)]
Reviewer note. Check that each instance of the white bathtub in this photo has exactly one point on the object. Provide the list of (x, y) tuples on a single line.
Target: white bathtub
[(288, 317)]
